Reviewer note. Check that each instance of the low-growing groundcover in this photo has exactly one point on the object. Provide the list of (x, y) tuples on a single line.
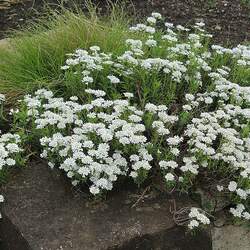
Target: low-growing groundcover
[(167, 103), (10, 150)]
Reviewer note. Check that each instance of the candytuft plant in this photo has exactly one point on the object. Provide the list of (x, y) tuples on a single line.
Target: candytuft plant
[(107, 101), (165, 102)]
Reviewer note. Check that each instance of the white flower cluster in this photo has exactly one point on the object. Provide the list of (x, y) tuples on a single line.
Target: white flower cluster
[(9, 149), (241, 53), (197, 217), (220, 138), (2, 98), (240, 212), (206, 134), (9, 146), (121, 67), (170, 67), (100, 140), (104, 138)]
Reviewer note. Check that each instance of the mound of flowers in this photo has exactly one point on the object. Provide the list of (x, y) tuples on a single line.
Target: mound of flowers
[(10, 149), (170, 104)]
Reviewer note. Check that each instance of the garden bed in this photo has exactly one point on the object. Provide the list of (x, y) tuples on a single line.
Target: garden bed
[(123, 131), (227, 20)]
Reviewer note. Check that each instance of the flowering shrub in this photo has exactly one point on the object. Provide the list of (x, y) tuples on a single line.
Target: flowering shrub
[(168, 104), (100, 140)]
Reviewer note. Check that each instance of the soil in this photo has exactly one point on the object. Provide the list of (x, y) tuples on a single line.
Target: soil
[(228, 21)]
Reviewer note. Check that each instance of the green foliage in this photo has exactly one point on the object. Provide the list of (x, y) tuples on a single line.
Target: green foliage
[(35, 54)]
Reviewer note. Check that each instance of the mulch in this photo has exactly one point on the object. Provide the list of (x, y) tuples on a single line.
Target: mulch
[(228, 21)]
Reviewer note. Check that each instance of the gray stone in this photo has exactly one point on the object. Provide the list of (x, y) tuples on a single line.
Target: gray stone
[(231, 238), (50, 215)]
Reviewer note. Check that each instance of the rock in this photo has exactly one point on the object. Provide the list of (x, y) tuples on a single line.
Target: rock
[(43, 206), (212, 201), (10, 237), (172, 239), (231, 238), (47, 212)]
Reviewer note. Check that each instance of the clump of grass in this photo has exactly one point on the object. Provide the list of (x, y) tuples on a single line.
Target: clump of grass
[(37, 52)]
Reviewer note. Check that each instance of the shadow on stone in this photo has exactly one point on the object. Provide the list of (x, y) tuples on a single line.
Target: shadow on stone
[(172, 239), (10, 237)]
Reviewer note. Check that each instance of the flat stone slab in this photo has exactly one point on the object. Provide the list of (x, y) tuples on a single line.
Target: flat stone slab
[(175, 238), (10, 237), (231, 238), (50, 215)]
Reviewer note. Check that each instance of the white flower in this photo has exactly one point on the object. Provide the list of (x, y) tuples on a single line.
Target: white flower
[(246, 215), (95, 48), (129, 95), (51, 165), (156, 15), (187, 107), (135, 118), (237, 212), (151, 43), (232, 186), (1, 198), (97, 93), (220, 188), (173, 141), (75, 183), (10, 162), (169, 25), (151, 20), (170, 38), (87, 79), (169, 177), (94, 190), (134, 174), (113, 79), (200, 24), (151, 107), (150, 30), (192, 224), (175, 151), (73, 98), (198, 215), (65, 67), (208, 100), (2, 98), (168, 164), (240, 192)]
